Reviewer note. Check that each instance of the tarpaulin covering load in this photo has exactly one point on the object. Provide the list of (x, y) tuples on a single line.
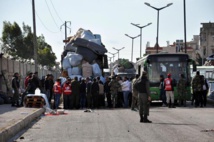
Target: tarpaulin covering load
[(96, 48), (70, 47), (87, 53)]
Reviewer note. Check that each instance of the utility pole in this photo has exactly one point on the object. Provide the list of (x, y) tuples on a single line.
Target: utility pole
[(34, 37), (65, 24)]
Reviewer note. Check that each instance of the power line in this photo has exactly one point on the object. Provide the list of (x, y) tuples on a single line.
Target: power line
[(56, 11), (45, 26), (51, 14), (43, 23)]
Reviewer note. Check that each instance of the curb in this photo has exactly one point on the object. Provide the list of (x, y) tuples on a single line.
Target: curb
[(11, 131)]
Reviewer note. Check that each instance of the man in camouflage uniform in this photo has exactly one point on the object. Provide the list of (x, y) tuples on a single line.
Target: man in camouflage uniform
[(181, 87), (114, 85), (134, 105), (196, 87)]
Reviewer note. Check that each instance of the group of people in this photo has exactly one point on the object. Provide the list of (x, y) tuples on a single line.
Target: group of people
[(31, 82), (200, 88), (117, 91)]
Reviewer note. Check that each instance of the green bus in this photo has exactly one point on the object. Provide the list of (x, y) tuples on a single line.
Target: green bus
[(162, 64)]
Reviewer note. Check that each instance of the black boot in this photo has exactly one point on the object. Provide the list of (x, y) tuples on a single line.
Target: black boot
[(141, 119), (146, 120), (17, 104), (173, 106)]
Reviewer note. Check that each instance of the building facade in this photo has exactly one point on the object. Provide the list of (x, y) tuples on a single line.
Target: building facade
[(207, 39)]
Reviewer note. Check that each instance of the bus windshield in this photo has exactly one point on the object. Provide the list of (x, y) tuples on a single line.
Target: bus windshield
[(175, 68)]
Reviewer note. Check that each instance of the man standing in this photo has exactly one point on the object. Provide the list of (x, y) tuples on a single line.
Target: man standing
[(95, 93), (75, 84), (67, 92), (126, 90), (204, 91), (181, 87), (197, 88), (162, 91), (57, 92), (114, 85), (107, 92), (88, 93), (15, 86), (134, 105), (142, 87), (169, 88)]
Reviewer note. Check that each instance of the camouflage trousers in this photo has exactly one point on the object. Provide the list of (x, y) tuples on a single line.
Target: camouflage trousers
[(114, 99), (182, 97)]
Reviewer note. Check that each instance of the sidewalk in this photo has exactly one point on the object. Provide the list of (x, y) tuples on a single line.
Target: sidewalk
[(15, 119)]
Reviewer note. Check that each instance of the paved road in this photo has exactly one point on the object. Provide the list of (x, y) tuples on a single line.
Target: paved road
[(122, 125)]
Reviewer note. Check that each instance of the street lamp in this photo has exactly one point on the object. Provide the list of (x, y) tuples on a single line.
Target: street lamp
[(112, 55), (137, 25), (158, 9), (185, 39), (132, 43), (118, 50)]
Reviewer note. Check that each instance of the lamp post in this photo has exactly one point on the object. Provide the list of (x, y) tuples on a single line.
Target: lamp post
[(137, 25), (118, 50), (112, 55), (132, 43), (185, 40), (158, 9), (110, 62)]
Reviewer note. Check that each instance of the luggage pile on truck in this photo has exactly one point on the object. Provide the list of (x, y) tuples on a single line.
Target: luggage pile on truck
[(84, 56)]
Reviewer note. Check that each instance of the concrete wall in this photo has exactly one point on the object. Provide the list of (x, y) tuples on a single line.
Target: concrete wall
[(8, 67)]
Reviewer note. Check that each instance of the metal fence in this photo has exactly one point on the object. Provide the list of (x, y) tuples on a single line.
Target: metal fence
[(8, 67)]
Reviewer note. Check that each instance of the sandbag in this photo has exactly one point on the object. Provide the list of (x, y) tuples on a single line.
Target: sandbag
[(66, 63), (86, 70), (96, 70), (74, 59), (69, 70)]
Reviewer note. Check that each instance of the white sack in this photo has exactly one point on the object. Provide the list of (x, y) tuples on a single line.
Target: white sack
[(96, 70), (65, 63), (74, 58), (69, 70), (76, 71)]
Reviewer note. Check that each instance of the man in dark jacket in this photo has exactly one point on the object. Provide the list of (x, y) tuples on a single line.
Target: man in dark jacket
[(95, 93), (75, 84), (15, 86), (142, 87), (107, 92)]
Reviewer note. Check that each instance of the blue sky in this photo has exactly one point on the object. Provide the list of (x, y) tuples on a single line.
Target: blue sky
[(111, 19)]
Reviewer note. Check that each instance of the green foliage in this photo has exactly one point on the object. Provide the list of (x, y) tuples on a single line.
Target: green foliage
[(125, 63), (17, 43)]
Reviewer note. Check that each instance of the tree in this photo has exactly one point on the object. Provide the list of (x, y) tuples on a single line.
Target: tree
[(19, 43), (45, 53), (12, 37)]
